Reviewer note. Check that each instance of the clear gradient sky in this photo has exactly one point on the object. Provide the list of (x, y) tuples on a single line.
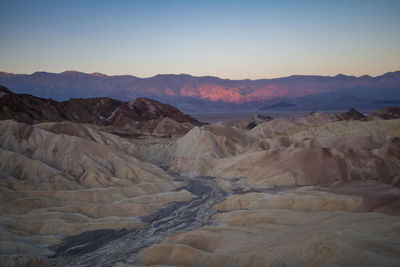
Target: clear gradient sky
[(229, 39)]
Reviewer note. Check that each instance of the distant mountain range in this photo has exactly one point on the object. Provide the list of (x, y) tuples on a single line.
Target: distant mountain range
[(196, 94)]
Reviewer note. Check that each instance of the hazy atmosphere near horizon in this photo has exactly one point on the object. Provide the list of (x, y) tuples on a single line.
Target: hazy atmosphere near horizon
[(227, 39), (199, 133)]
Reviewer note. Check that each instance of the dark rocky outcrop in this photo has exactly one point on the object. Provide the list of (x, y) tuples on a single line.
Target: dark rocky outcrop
[(389, 113), (30, 109), (352, 114), (101, 110), (250, 122), (143, 109)]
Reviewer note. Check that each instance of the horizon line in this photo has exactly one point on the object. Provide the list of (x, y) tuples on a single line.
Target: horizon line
[(103, 75)]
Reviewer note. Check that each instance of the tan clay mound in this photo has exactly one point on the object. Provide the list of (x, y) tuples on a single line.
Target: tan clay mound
[(164, 127), (359, 196), (149, 148), (284, 238), (315, 162), (93, 133), (195, 152), (283, 127), (290, 127)]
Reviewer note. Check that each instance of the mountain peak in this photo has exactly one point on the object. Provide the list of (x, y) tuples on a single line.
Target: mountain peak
[(98, 74), (171, 75), (6, 73), (71, 72), (36, 73), (342, 76)]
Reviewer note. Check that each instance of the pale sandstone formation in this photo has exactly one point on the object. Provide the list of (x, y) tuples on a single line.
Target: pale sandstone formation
[(60, 179)]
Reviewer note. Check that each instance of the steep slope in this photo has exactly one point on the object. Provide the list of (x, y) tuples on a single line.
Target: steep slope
[(143, 109), (4, 90)]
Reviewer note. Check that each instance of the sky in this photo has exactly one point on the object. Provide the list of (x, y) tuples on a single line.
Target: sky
[(228, 39)]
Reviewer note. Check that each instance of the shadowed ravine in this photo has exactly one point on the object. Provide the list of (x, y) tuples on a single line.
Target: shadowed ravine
[(107, 247)]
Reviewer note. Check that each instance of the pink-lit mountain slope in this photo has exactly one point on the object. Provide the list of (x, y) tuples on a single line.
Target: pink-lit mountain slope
[(187, 91)]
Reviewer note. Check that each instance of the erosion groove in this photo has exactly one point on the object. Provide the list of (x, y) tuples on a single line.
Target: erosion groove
[(107, 247)]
